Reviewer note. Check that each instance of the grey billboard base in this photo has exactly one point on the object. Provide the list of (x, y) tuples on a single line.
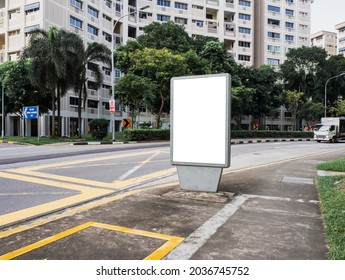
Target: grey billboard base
[(199, 178)]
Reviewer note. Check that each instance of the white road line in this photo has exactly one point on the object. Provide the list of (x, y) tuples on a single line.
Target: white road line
[(200, 236), (135, 168)]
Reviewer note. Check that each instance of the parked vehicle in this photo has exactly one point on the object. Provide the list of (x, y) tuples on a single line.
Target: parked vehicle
[(332, 130)]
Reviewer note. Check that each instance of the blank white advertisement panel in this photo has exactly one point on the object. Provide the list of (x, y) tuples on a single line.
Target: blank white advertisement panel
[(200, 111)]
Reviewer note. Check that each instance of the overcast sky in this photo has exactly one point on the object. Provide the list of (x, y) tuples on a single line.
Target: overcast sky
[(325, 14)]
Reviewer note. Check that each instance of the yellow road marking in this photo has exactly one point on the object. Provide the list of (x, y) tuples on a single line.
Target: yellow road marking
[(158, 254), (61, 178), (69, 212), (44, 242), (279, 161), (75, 162), (87, 193)]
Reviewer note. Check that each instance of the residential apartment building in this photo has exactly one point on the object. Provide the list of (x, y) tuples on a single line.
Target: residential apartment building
[(340, 29), (326, 40), (249, 28), (280, 25)]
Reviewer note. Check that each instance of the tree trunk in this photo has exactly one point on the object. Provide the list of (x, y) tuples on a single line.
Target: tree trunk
[(59, 111), (53, 112), (158, 118), (79, 113)]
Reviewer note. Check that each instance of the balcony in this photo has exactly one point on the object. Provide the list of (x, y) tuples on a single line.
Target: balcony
[(212, 26)]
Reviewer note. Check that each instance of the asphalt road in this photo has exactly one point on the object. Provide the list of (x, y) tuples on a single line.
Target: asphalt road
[(135, 191)]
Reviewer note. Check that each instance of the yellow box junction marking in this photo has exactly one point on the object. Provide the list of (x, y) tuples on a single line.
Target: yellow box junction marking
[(172, 241), (30, 175)]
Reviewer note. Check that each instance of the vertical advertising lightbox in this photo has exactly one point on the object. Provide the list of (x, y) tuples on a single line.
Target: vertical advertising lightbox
[(200, 120)]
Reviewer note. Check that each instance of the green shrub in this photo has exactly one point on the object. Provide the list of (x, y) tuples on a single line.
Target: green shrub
[(99, 128), (146, 134)]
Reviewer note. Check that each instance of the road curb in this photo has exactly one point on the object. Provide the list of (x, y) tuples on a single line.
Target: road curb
[(7, 142), (254, 141), (233, 142)]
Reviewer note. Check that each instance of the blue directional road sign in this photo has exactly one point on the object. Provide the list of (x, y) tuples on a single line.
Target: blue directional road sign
[(30, 112)]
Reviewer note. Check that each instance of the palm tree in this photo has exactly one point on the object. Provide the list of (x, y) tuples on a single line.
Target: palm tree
[(53, 55), (88, 58)]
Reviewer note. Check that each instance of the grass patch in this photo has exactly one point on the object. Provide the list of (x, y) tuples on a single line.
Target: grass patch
[(333, 165), (332, 197)]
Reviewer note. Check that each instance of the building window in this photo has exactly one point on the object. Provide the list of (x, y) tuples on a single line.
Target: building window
[(32, 8), (341, 50), (289, 38), (244, 16), (289, 1), (118, 73), (76, 3), (244, 30), (181, 6), (107, 3), (28, 29), (181, 20), (289, 12), (273, 61), (289, 25), (273, 35), (76, 22), (92, 30), (73, 101), (91, 85), (242, 57), (163, 18), (197, 7), (244, 3), (244, 44), (272, 48), (107, 18), (272, 21), (274, 9), (92, 104), (107, 36), (198, 23), (92, 11), (106, 70), (164, 3)]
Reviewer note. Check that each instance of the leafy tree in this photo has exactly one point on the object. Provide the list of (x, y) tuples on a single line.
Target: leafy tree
[(135, 92), (52, 56), (241, 101), (87, 59), (302, 69), (293, 102), (311, 111), (334, 66), (339, 108), (215, 53), (166, 35), (19, 91), (159, 66), (268, 91)]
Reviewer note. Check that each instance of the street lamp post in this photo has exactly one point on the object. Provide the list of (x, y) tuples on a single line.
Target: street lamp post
[(113, 67), (334, 77)]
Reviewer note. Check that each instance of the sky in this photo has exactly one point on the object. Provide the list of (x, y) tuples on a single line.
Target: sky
[(325, 14)]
